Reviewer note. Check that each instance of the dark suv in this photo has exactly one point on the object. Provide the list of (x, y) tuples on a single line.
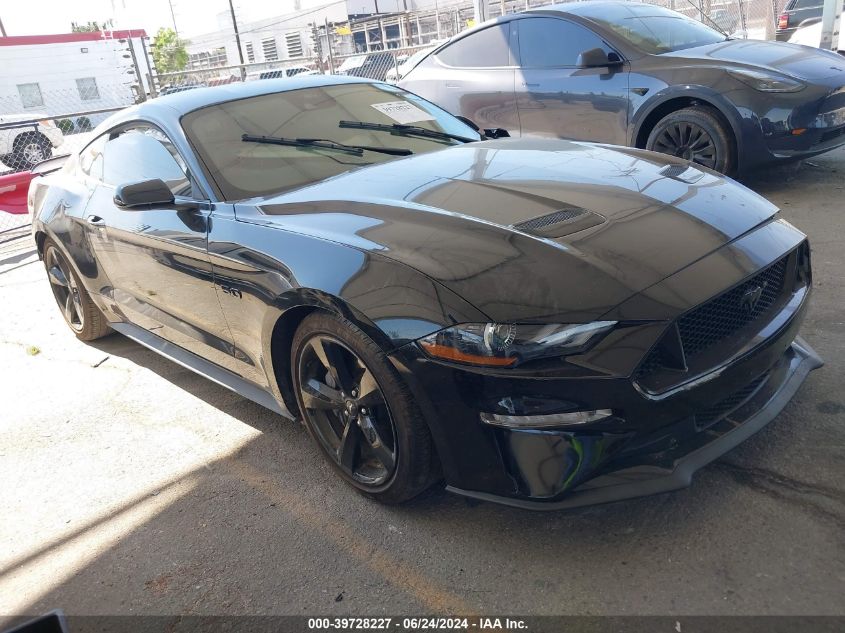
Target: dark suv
[(794, 13)]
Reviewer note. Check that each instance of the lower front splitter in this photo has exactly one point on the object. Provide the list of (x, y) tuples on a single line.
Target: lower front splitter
[(632, 483)]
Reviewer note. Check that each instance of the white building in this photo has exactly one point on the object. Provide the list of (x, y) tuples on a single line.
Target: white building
[(71, 74), (283, 39)]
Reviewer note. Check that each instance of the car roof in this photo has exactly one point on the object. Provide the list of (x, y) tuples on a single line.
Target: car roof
[(576, 8), (180, 103)]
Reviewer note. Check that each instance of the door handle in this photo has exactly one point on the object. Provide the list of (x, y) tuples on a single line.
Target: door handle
[(95, 220), (527, 85)]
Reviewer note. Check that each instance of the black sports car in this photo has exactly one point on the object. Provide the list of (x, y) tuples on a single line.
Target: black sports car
[(540, 322)]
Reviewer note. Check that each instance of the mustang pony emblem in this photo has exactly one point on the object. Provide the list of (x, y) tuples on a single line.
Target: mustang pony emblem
[(751, 298)]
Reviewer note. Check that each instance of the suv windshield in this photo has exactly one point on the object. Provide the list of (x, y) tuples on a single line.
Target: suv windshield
[(651, 29), (250, 169)]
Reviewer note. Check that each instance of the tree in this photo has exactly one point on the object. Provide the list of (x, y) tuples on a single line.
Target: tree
[(169, 52), (90, 27)]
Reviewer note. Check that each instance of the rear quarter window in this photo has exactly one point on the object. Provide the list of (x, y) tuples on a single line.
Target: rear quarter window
[(487, 48)]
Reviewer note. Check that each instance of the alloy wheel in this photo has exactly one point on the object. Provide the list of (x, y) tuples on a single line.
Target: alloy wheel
[(688, 141), (33, 153), (65, 290), (347, 411)]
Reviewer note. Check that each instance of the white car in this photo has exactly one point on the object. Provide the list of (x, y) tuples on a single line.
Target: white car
[(27, 139), (395, 74), (809, 33)]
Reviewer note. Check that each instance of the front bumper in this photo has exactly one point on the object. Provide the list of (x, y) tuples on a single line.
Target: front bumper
[(674, 467), (664, 421)]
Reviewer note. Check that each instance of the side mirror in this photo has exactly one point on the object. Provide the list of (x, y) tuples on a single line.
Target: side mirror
[(146, 192), (597, 57), (496, 132)]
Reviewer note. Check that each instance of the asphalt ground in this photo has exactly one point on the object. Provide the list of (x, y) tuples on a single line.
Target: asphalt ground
[(132, 486)]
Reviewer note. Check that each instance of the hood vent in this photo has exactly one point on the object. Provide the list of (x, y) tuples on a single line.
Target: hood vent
[(685, 173), (561, 222)]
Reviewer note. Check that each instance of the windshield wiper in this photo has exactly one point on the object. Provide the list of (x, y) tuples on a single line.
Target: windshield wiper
[(406, 130), (319, 143)]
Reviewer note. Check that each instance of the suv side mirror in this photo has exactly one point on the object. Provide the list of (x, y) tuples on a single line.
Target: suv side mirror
[(496, 132), (145, 192), (597, 57)]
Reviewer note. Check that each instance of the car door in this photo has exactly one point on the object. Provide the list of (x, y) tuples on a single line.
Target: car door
[(474, 77), (557, 98), (155, 256)]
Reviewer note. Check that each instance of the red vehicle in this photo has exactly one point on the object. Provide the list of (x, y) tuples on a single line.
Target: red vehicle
[(13, 191)]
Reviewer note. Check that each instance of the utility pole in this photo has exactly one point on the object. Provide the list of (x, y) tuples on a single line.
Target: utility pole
[(329, 46), (173, 17), (150, 77), (237, 39), (141, 94)]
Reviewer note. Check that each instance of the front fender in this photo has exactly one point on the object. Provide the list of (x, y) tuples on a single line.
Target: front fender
[(737, 120)]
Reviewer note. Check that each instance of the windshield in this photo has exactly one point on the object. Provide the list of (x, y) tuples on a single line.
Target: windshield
[(651, 29), (250, 169)]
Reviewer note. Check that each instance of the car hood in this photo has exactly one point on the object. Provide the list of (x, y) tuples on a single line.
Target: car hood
[(798, 61), (528, 229)]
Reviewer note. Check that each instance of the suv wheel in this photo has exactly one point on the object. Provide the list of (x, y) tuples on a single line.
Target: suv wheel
[(696, 134)]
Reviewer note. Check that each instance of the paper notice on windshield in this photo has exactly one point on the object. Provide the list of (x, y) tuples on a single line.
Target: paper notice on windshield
[(403, 112)]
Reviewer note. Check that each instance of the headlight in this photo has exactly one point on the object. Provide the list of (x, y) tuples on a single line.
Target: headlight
[(508, 345), (767, 82)]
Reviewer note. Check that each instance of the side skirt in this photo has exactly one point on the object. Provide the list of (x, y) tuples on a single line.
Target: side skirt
[(204, 368)]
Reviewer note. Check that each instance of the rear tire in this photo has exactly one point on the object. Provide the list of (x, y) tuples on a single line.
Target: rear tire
[(82, 316), (350, 395), (698, 134)]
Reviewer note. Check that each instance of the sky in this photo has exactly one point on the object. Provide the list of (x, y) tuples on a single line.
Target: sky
[(193, 17)]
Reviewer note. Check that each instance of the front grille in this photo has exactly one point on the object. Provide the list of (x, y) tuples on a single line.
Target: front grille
[(709, 416), (712, 322)]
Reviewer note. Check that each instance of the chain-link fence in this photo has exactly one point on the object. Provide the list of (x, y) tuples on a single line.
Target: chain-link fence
[(36, 122)]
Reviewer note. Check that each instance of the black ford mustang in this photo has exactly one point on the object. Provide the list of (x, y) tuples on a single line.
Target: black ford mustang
[(540, 322)]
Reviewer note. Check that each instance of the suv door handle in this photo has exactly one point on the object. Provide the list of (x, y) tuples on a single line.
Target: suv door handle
[(95, 220)]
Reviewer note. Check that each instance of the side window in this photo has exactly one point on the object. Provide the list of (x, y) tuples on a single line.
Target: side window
[(549, 42), (484, 49), (144, 153), (91, 158)]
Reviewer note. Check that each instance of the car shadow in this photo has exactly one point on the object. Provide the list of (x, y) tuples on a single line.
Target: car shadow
[(270, 529)]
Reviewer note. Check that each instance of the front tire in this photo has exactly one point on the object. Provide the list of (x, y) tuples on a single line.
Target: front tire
[(698, 134), (359, 411), (82, 316)]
